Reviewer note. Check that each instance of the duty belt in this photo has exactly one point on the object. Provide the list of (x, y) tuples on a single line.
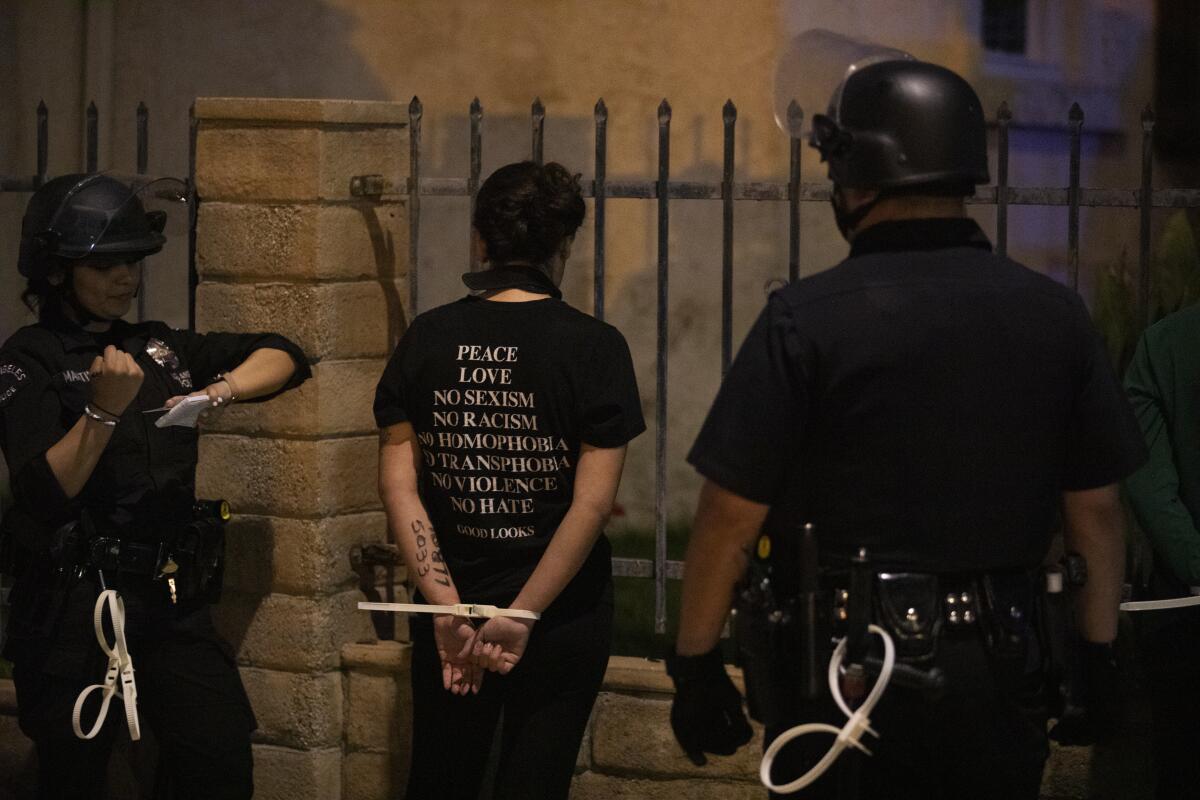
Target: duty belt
[(111, 554), (918, 608)]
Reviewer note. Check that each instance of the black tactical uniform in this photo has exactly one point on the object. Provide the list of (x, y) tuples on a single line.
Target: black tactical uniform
[(140, 494), (929, 401)]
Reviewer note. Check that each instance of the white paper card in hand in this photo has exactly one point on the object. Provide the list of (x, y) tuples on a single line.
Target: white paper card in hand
[(186, 412)]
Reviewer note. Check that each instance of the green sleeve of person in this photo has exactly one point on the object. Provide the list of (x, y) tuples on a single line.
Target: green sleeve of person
[(1172, 434)]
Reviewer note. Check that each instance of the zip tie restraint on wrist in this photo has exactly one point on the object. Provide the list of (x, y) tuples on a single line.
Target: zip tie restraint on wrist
[(475, 610)]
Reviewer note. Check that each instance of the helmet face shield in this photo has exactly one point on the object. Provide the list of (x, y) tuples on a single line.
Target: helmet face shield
[(890, 121), (812, 69), (108, 218)]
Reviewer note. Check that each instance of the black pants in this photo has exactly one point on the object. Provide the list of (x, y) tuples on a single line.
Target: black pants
[(985, 738), (1168, 649), (189, 694), (546, 701)]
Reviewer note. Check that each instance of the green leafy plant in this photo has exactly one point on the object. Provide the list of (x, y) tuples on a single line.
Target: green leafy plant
[(1174, 284)]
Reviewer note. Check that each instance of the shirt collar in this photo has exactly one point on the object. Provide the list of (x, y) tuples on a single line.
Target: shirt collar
[(512, 276), (74, 337), (919, 234)]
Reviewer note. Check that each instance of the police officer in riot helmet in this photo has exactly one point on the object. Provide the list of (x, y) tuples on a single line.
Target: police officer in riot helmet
[(105, 498), (938, 407)]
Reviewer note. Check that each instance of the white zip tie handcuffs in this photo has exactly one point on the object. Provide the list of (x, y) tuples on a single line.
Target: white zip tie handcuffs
[(475, 610), (848, 735), (120, 665), (859, 721), (1160, 605)]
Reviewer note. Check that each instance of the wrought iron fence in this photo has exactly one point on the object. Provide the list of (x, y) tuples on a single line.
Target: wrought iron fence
[(663, 190), (792, 191)]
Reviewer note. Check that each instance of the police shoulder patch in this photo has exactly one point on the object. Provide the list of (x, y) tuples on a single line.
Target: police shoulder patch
[(12, 377)]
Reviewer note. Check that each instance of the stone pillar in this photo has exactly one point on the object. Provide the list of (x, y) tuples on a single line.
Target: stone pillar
[(283, 246)]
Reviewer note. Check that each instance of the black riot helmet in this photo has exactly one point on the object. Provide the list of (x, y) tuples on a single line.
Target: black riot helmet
[(94, 215), (903, 124)]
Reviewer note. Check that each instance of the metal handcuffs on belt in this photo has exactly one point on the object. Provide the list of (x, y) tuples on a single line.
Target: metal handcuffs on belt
[(118, 680), (476, 610)]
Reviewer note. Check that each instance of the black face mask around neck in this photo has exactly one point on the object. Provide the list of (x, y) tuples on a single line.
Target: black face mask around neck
[(512, 276), (847, 221)]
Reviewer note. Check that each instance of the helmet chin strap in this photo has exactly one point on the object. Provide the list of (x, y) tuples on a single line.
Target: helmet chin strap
[(847, 221), (83, 315)]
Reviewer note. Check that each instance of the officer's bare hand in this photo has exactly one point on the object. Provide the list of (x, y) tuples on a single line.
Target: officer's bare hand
[(116, 378), (219, 395)]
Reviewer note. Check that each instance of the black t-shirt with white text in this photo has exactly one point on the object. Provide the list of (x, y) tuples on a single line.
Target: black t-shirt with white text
[(500, 396)]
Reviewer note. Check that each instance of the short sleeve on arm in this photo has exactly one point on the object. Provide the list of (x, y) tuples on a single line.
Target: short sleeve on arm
[(391, 407), (754, 429), (610, 409), (30, 424), (1104, 442)]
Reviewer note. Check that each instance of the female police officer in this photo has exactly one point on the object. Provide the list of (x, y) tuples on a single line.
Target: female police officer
[(105, 499)]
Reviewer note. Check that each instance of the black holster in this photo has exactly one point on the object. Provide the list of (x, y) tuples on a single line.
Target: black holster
[(43, 581), (781, 630), (199, 549)]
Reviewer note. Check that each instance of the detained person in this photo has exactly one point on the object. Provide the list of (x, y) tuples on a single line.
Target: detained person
[(503, 422), (105, 498)]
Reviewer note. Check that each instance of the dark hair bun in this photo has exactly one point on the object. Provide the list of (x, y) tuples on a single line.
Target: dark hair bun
[(523, 211)]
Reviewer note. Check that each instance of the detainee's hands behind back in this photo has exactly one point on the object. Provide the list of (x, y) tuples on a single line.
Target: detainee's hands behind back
[(501, 642), (455, 639)]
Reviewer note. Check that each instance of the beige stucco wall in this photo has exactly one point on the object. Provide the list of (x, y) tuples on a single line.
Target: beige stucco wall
[(693, 52)]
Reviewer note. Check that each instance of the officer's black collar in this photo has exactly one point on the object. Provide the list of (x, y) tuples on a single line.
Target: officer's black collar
[(75, 337), (919, 234), (512, 276)]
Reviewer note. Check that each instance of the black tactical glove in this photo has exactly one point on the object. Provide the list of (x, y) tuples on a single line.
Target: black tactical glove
[(707, 712), (1092, 711)]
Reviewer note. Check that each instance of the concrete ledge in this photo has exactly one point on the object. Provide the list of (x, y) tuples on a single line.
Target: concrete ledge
[(273, 109), (380, 658), (638, 675), (632, 736), (591, 786), (380, 712), (1068, 773)]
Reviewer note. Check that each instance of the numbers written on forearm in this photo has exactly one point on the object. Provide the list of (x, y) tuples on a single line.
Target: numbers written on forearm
[(429, 555)]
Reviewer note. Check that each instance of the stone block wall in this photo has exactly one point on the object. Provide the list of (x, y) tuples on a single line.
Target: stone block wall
[(282, 245)]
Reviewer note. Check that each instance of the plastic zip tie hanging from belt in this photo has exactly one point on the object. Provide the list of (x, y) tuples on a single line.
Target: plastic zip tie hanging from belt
[(476, 610), (1160, 605), (118, 680), (849, 735)]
